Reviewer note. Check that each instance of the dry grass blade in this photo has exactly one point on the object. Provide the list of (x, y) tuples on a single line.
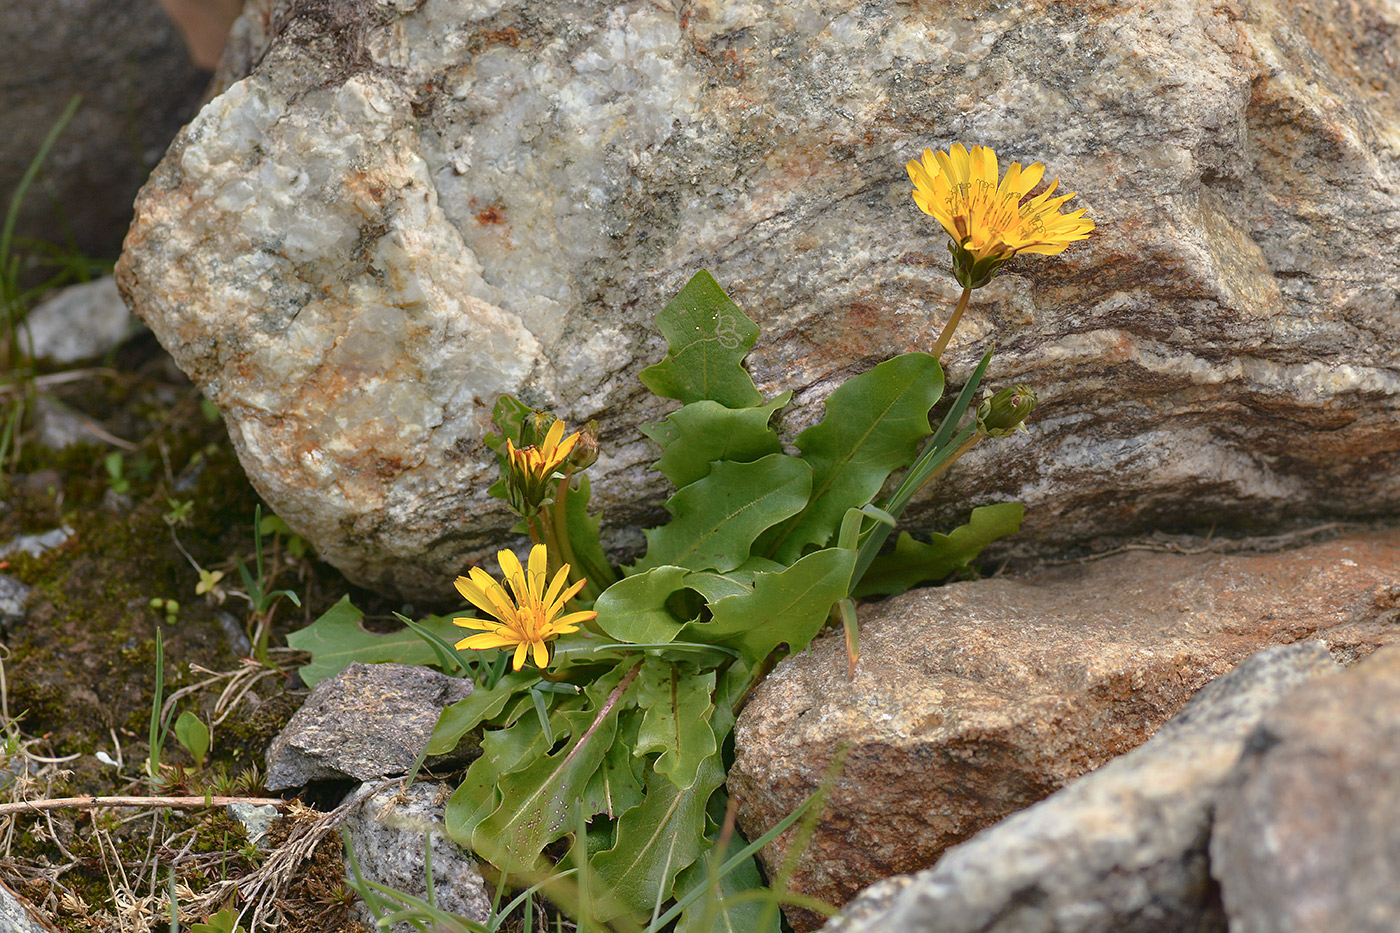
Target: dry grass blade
[(264, 886)]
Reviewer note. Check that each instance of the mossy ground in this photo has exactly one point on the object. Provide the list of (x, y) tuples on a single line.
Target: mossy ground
[(79, 670)]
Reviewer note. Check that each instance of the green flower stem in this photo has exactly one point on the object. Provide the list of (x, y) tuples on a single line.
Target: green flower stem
[(952, 325), (560, 524), (928, 467), (940, 447)]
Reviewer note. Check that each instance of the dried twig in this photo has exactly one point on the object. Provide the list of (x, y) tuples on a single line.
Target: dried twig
[(89, 803)]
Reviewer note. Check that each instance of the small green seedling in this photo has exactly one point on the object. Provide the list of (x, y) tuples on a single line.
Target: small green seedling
[(193, 734), (225, 921), (169, 607)]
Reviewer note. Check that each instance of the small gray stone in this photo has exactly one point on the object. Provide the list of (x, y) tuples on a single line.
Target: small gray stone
[(1121, 850), (81, 322), (387, 834), (13, 597), (368, 721), (58, 425), (256, 820), (1307, 832), (36, 544)]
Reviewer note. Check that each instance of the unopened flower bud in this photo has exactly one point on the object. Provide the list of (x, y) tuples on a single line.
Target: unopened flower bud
[(1005, 412), (585, 452), (534, 428)]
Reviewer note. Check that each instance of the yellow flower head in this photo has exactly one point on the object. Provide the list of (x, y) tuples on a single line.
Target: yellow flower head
[(986, 215), (530, 469), (527, 613)]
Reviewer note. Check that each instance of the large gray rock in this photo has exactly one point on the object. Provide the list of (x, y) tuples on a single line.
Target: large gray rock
[(1307, 836), (975, 700), (407, 208), (1122, 850), (128, 62)]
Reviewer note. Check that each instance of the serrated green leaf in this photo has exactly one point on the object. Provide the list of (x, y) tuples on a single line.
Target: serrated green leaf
[(705, 431), (678, 703), (617, 785), (708, 338), (466, 714), (714, 586), (509, 413), (914, 562), (540, 802), (655, 841), (634, 608), (872, 427), (718, 518), (788, 607), (335, 640), (477, 796)]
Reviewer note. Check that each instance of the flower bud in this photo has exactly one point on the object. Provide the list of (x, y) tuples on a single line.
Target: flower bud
[(534, 428), (585, 452), (1005, 412)]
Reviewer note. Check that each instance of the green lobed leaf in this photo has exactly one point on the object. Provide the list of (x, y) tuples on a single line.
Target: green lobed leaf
[(466, 714), (702, 432), (913, 562), (335, 640), (788, 607), (655, 841), (634, 608), (678, 703), (540, 802), (872, 427), (718, 518), (708, 338), (617, 785), (477, 796)]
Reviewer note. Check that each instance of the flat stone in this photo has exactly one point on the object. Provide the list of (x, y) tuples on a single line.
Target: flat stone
[(1121, 850), (396, 211), (388, 833), (81, 322), (36, 544), (14, 597), (256, 820), (369, 721), (1307, 835), (974, 700)]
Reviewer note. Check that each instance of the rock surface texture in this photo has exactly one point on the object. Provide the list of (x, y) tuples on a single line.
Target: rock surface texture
[(388, 832), (975, 700), (128, 62), (368, 721), (1308, 836), (1122, 850), (407, 208)]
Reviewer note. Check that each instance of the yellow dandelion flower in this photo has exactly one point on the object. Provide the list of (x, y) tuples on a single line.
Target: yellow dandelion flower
[(530, 470), (986, 215), (527, 616)]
